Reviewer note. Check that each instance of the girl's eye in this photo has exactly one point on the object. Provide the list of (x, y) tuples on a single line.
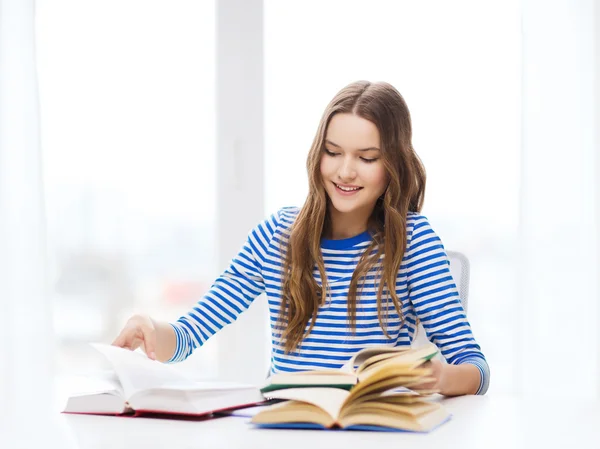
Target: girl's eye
[(365, 159)]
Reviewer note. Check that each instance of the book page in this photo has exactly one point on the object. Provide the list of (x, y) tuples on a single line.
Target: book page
[(328, 399), (137, 372), (364, 354), (94, 383), (313, 377), (375, 354)]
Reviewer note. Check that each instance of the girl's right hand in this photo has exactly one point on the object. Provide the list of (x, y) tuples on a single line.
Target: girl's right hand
[(139, 331)]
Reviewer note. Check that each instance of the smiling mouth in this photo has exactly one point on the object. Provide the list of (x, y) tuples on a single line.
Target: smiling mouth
[(347, 189)]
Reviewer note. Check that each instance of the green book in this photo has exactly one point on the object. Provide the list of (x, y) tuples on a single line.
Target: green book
[(359, 367)]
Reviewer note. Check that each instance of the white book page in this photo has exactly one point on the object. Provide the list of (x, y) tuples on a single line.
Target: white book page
[(196, 401), (97, 382), (329, 399), (137, 372)]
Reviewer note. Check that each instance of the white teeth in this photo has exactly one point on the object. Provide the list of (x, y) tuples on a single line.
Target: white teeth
[(347, 189)]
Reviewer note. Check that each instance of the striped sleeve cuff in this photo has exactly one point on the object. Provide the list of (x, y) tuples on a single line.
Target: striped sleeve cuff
[(484, 372), (181, 352)]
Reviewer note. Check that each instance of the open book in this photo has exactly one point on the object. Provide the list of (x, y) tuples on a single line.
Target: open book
[(388, 394), (144, 386), (359, 366)]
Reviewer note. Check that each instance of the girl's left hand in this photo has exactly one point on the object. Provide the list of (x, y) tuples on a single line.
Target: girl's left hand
[(438, 371)]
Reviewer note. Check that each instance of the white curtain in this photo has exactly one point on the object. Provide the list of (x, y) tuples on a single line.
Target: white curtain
[(559, 268), (25, 313)]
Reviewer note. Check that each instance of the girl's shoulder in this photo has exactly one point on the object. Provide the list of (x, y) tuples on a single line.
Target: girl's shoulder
[(414, 220), (288, 214), (281, 220), (417, 227)]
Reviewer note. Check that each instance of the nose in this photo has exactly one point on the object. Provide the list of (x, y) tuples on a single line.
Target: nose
[(346, 171)]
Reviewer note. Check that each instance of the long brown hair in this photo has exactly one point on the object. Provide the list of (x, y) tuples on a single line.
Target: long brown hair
[(381, 104)]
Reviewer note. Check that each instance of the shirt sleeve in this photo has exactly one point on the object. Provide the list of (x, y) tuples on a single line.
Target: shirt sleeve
[(436, 301), (230, 295)]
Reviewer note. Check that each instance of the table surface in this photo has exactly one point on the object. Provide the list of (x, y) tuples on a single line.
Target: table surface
[(477, 422)]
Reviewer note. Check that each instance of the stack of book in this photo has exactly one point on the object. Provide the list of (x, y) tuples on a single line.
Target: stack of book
[(379, 389)]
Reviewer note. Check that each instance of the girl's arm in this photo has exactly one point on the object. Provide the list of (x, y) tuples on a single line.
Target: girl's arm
[(230, 295), (434, 296)]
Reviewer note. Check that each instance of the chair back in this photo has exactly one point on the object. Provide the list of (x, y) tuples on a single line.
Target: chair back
[(460, 270)]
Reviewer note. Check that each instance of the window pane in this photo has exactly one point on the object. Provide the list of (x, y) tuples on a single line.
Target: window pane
[(127, 113)]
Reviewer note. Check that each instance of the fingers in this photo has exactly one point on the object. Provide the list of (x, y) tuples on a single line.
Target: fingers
[(149, 340), (139, 331), (121, 340), (129, 338)]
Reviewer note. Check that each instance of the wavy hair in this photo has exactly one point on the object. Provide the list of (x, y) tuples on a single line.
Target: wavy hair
[(381, 104)]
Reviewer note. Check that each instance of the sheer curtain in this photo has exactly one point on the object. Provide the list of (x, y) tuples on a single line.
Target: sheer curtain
[(25, 331), (128, 144), (559, 268)]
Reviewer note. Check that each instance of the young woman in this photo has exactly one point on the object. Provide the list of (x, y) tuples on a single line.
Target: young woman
[(356, 266)]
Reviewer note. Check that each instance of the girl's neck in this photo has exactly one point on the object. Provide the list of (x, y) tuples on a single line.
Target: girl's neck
[(346, 225)]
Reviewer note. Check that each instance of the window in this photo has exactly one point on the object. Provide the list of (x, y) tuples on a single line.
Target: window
[(127, 116)]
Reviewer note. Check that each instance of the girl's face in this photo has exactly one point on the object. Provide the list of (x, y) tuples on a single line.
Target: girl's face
[(351, 166)]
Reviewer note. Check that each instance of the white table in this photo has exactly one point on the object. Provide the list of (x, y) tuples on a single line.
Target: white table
[(478, 422)]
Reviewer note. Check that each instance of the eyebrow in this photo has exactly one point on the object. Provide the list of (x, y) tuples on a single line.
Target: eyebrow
[(362, 149)]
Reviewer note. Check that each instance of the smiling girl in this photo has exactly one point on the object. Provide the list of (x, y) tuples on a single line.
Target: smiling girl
[(355, 266)]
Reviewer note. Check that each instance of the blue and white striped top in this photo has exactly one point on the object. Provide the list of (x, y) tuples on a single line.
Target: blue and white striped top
[(424, 286)]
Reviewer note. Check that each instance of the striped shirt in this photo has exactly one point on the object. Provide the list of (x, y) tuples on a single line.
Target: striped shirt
[(424, 286)]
